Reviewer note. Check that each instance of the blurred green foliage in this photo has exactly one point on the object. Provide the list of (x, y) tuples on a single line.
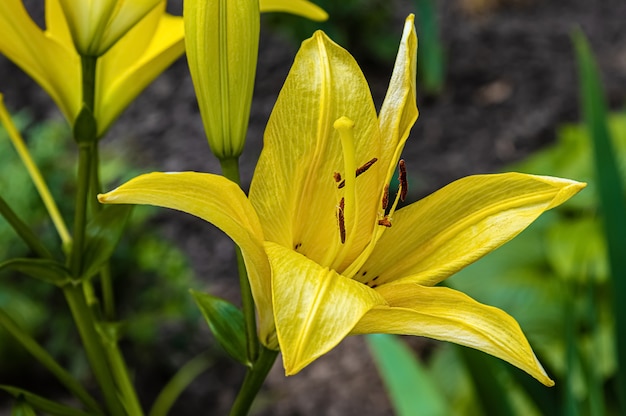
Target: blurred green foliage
[(554, 279), (364, 27), (369, 30), (161, 276)]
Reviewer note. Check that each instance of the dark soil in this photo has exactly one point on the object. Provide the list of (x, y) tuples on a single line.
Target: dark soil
[(511, 80)]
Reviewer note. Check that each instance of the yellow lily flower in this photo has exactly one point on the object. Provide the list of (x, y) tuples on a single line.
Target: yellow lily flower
[(50, 58), (327, 252), (96, 25)]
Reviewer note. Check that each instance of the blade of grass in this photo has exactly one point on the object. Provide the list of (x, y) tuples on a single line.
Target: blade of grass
[(181, 380), (23, 230), (47, 361), (610, 189), (410, 387), (431, 65), (492, 395), (35, 175), (48, 406)]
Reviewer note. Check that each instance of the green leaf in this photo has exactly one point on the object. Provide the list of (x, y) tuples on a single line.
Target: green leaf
[(22, 408), (610, 189), (226, 322), (23, 230), (411, 389), (42, 404), (576, 249), (430, 60), (494, 397), (103, 234), (179, 382), (43, 269)]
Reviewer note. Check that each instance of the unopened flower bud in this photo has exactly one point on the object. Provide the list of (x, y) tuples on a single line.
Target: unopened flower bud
[(222, 39)]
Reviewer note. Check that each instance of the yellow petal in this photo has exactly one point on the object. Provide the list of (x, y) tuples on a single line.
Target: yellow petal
[(293, 189), (56, 24), (222, 42), (444, 232), (49, 63), (96, 25), (124, 72), (448, 315), (299, 7), (127, 50), (222, 203), (314, 307), (399, 110)]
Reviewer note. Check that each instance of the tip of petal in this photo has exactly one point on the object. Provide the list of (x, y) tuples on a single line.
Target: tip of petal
[(541, 375), (104, 198), (568, 188)]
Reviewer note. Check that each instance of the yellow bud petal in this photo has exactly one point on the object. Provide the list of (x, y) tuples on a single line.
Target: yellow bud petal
[(221, 39)]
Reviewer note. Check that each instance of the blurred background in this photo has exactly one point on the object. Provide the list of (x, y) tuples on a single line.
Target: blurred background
[(498, 90)]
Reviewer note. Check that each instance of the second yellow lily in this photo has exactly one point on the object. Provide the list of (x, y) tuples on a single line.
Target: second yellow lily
[(138, 56)]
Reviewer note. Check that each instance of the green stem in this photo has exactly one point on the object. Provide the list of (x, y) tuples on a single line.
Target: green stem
[(88, 66), (47, 361), (95, 352), (108, 299), (230, 169), (23, 230), (80, 213), (253, 382), (120, 372), (262, 359), (35, 175), (181, 380), (106, 280)]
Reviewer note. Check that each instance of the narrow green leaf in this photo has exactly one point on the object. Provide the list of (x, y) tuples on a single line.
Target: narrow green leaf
[(43, 404), (181, 380), (103, 234), (226, 322), (430, 60), (23, 230), (43, 269), (41, 355), (410, 387), (493, 396), (610, 190), (22, 408)]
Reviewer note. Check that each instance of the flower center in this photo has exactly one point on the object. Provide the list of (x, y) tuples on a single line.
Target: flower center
[(385, 220), (347, 207)]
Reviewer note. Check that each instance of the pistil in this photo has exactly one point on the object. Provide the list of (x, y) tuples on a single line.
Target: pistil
[(347, 214), (345, 128)]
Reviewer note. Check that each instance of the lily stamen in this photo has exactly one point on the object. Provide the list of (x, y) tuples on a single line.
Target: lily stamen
[(385, 197), (404, 184), (365, 167), (341, 220), (385, 221), (359, 171)]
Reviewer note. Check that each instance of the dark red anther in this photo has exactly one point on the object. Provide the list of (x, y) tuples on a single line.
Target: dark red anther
[(404, 185), (341, 220)]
